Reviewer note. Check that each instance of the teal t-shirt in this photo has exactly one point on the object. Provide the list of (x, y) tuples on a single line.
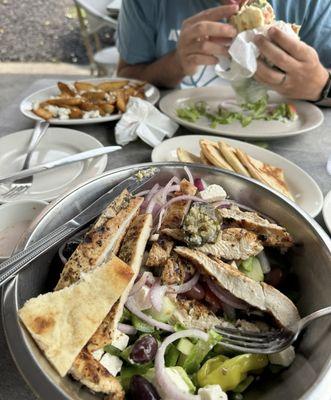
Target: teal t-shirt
[(149, 29)]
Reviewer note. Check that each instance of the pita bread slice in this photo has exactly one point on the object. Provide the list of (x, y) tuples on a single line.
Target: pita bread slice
[(229, 153), (265, 173), (186, 156), (131, 252), (213, 155), (62, 322), (204, 160)]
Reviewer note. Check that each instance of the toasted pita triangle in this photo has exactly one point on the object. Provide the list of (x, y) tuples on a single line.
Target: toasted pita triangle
[(229, 153), (213, 155), (204, 160), (62, 322), (186, 156), (265, 173)]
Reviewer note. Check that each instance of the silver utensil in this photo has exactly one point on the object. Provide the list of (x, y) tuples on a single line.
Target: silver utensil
[(58, 163), (267, 342), (10, 267), (21, 185)]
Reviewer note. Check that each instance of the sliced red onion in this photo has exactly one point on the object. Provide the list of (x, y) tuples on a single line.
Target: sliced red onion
[(161, 376), (146, 276), (189, 175), (156, 295), (127, 329), (160, 218), (168, 188), (226, 297), (131, 306), (183, 197), (187, 285), (63, 259), (143, 193), (328, 165), (199, 184), (265, 265), (154, 189)]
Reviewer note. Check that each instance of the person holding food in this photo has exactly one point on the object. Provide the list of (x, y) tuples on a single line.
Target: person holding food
[(178, 43)]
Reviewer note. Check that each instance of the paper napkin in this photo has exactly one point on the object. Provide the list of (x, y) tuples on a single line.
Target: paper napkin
[(143, 120)]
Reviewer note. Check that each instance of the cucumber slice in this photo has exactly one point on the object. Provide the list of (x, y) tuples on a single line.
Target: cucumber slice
[(140, 325), (165, 314), (185, 346)]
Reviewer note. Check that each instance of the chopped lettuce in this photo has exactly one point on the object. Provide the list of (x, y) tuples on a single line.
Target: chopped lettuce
[(259, 110)]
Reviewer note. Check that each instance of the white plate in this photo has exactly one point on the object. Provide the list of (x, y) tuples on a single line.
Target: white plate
[(305, 190), (327, 211), (57, 143), (151, 92), (310, 116)]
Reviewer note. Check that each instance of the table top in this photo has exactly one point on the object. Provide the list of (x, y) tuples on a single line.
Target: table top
[(310, 151)]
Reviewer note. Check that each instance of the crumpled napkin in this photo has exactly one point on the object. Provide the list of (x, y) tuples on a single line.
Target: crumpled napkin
[(242, 63), (143, 120)]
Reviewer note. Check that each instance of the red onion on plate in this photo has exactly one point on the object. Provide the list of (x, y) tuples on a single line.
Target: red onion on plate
[(131, 306), (161, 376), (199, 184), (156, 294), (127, 329), (226, 297), (185, 287), (189, 175), (145, 277)]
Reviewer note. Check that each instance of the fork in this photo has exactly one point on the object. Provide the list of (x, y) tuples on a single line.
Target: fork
[(267, 342), (20, 186)]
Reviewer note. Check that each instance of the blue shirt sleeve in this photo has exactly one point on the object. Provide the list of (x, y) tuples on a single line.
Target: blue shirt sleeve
[(136, 33)]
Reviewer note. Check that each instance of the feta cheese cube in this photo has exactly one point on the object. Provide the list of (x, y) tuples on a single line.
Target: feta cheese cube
[(213, 193), (97, 354), (112, 364), (283, 358), (142, 298), (212, 392), (121, 340)]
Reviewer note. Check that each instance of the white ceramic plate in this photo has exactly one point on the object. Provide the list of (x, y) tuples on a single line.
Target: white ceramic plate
[(327, 211), (305, 190), (310, 116), (57, 143), (151, 92)]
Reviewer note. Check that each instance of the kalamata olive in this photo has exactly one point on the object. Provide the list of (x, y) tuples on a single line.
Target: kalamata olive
[(144, 350), (274, 277), (196, 293), (141, 389)]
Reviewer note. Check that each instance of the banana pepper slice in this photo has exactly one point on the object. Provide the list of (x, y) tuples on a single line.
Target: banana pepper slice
[(229, 372)]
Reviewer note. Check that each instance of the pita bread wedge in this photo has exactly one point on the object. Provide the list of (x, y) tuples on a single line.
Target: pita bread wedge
[(131, 252), (204, 160), (265, 173), (102, 239), (229, 153), (256, 294), (62, 322), (213, 155), (186, 156)]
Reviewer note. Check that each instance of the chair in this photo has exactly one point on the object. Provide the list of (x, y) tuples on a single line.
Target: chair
[(93, 16)]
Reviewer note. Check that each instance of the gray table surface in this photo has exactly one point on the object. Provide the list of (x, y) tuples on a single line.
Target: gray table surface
[(310, 151)]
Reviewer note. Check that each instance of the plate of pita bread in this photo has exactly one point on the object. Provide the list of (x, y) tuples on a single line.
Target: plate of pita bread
[(246, 159), (179, 102)]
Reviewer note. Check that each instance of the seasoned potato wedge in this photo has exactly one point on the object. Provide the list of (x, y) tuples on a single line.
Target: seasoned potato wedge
[(121, 102), (94, 95), (65, 90), (107, 107), (75, 113), (88, 106), (80, 86), (42, 113), (65, 101), (109, 86)]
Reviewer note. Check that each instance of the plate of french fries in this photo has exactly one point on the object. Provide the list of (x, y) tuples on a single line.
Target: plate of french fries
[(86, 101), (252, 161)]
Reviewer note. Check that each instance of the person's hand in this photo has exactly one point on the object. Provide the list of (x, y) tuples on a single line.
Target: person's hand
[(203, 38), (303, 76)]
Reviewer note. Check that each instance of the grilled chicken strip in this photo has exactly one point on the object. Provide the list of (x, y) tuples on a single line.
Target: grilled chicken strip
[(95, 376), (176, 270), (258, 295), (270, 234), (177, 234), (233, 244), (192, 314), (159, 253), (102, 240), (131, 252), (173, 217)]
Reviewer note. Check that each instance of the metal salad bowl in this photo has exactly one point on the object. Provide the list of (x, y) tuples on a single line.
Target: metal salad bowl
[(309, 377)]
